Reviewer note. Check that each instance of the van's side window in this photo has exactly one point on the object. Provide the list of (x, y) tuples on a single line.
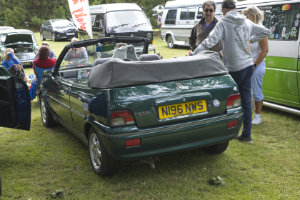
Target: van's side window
[(171, 17), (93, 17), (187, 14), (99, 19), (200, 13), (283, 21)]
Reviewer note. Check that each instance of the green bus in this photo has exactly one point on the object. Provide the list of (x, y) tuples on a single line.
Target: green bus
[(281, 84)]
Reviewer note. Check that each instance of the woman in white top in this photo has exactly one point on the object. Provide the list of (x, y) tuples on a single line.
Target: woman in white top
[(259, 50)]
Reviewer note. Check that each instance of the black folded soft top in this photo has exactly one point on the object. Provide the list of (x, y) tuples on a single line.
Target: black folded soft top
[(119, 73)]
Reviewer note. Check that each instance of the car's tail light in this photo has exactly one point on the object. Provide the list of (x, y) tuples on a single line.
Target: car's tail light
[(121, 118), (233, 123), (233, 101)]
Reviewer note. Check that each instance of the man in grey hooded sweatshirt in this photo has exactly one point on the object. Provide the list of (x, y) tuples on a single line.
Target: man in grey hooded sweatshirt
[(235, 32)]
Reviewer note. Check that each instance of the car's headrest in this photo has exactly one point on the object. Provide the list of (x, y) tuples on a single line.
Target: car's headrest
[(147, 57)]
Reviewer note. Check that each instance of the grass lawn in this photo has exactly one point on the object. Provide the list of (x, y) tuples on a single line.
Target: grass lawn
[(37, 163)]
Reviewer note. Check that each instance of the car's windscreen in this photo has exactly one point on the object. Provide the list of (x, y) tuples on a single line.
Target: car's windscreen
[(83, 59), (126, 18), (16, 38), (62, 23)]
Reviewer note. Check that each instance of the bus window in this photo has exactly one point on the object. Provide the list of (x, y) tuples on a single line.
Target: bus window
[(282, 20)]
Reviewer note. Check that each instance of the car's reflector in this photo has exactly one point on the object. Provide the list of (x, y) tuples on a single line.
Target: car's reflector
[(133, 142), (121, 118), (233, 101), (232, 124)]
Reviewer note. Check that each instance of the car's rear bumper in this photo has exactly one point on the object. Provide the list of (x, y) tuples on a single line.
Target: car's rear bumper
[(172, 138), (27, 62)]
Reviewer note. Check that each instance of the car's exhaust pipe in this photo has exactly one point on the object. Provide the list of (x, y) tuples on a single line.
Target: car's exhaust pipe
[(282, 108)]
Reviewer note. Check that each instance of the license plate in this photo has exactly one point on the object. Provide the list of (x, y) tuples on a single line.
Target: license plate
[(70, 33), (182, 109)]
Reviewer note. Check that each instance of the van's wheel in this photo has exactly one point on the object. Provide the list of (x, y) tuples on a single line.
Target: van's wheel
[(47, 119), (217, 149), (102, 163), (170, 42), (53, 37), (42, 36)]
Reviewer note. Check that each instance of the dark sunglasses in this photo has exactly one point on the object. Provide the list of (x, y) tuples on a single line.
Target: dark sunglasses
[(208, 10)]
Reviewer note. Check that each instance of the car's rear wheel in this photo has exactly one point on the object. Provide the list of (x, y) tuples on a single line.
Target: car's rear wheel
[(47, 119), (53, 37), (102, 163), (217, 148), (42, 36), (170, 42)]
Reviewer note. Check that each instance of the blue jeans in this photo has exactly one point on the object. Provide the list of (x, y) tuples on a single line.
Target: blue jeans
[(243, 80)]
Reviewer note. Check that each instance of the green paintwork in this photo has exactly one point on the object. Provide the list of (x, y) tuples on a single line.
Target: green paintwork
[(280, 83), (91, 107)]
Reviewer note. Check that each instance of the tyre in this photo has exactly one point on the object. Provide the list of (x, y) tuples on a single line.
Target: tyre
[(217, 149), (101, 162), (170, 42), (47, 119), (42, 37), (53, 37)]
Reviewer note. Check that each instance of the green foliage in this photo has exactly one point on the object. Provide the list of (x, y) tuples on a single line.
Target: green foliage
[(59, 13), (36, 22), (15, 17)]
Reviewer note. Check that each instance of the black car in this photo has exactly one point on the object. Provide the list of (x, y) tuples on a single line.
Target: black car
[(22, 41), (58, 29)]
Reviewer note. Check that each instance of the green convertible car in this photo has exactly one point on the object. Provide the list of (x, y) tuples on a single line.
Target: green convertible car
[(128, 107)]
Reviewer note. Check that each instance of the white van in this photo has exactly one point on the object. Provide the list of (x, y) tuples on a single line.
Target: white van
[(178, 19), (119, 19), (281, 85)]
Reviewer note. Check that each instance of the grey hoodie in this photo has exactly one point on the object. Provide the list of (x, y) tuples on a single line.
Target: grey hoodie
[(235, 33)]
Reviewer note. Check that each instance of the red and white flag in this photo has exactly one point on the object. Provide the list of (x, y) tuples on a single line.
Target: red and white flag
[(80, 11)]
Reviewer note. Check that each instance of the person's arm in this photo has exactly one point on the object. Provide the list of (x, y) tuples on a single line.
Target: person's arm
[(264, 51), (5, 64), (33, 64), (52, 54), (258, 32), (14, 59), (213, 38), (192, 38), (84, 55)]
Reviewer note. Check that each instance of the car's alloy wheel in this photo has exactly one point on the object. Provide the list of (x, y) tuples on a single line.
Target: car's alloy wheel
[(217, 148), (170, 42), (42, 37), (101, 162), (53, 37), (45, 114)]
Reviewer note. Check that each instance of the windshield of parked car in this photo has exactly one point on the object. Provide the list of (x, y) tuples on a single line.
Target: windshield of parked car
[(62, 23), (126, 18), (77, 62)]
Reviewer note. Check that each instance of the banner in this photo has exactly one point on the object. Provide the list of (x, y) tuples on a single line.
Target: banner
[(80, 11)]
